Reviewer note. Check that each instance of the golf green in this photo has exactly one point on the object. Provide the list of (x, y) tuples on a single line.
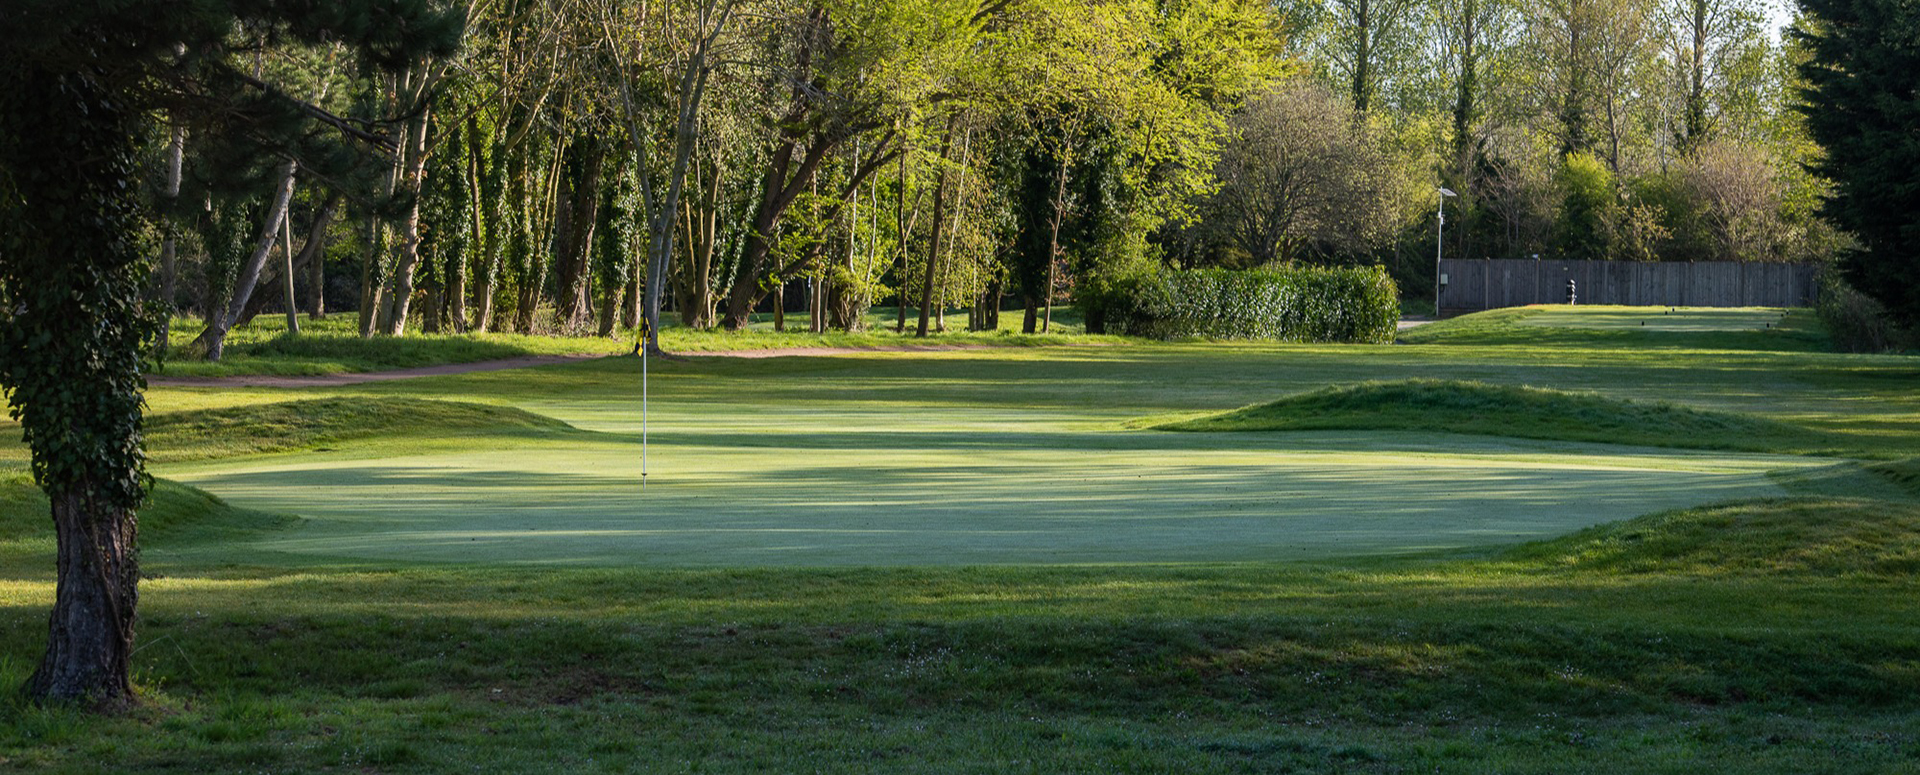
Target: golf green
[(852, 482)]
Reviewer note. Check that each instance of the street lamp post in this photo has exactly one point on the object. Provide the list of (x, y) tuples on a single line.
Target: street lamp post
[(1439, 234)]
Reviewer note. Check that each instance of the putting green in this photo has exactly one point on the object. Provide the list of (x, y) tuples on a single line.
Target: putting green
[(1682, 319), (835, 489)]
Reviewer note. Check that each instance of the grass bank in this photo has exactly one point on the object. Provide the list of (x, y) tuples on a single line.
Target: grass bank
[(1459, 406)]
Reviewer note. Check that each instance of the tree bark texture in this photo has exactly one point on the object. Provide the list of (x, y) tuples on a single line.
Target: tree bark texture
[(90, 633)]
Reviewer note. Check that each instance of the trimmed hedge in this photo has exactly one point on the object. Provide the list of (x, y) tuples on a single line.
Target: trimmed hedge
[(1292, 304)]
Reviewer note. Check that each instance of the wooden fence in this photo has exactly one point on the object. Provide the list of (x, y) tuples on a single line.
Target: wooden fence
[(1474, 285)]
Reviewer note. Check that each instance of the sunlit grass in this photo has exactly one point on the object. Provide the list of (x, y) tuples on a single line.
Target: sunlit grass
[(1763, 635)]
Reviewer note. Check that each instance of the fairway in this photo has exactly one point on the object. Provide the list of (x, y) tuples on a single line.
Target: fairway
[(899, 482), (1678, 319)]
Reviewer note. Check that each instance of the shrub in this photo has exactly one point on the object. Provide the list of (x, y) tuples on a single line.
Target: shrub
[(1295, 304), (1855, 321)]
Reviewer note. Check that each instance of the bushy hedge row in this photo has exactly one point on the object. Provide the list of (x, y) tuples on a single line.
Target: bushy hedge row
[(1294, 304), (1854, 321)]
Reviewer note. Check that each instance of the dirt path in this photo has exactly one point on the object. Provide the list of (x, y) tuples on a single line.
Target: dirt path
[(781, 352)]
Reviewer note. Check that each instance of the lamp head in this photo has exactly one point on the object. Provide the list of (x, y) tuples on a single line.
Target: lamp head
[(1447, 192)]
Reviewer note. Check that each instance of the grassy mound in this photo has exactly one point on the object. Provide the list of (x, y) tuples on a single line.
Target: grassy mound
[(173, 511), (1798, 536), (1455, 406), (1637, 328), (1904, 474), (289, 425)]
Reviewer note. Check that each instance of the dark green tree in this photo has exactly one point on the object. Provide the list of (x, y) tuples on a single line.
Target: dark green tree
[(1861, 105), (81, 85)]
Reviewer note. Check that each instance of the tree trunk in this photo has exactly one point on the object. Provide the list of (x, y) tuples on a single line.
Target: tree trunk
[(409, 259), (900, 224), (774, 201), (610, 307), (994, 290), (1362, 58), (169, 273), (286, 282), (1053, 245), (373, 276), (313, 255), (573, 251), (694, 291), (495, 222), (90, 634), (630, 314), (780, 307), (214, 339), (933, 241), (696, 294)]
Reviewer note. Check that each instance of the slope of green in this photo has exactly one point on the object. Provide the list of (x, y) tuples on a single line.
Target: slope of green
[(1455, 406), (174, 515), (315, 422), (1904, 474), (1788, 537), (1640, 328)]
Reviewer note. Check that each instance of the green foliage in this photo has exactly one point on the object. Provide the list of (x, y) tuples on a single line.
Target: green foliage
[(1454, 406), (72, 273), (1856, 322), (1292, 304), (1860, 107), (1587, 204)]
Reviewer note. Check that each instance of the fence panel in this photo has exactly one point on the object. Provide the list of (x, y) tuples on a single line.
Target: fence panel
[(1479, 284)]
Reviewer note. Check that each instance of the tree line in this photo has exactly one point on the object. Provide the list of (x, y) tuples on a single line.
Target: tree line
[(581, 165)]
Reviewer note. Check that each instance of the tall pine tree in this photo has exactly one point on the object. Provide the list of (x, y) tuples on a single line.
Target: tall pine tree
[(1862, 102)]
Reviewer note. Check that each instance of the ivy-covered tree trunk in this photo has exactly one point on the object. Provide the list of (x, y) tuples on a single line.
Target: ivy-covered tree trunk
[(213, 340), (71, 276)]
